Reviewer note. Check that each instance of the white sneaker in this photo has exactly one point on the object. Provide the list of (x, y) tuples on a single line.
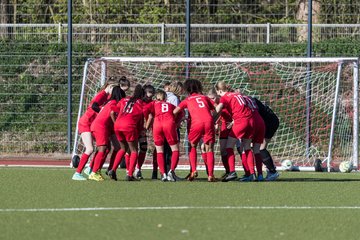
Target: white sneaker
[(164, 178), (87, 171), (78, 177), (138, 174), (171, 177)]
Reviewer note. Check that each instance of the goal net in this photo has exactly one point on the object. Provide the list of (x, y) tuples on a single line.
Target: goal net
[(314, 98)]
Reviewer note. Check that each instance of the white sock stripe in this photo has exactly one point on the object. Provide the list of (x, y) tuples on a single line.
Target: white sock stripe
[(177, 208)]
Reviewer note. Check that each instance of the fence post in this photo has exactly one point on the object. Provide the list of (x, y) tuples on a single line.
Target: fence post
[(59, 33), (268, 27), (162, 33)]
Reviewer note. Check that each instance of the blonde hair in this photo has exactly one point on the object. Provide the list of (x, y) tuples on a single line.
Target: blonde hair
[(112, 81), (176, 88), (160, 95), (212, 92), (221, 85)]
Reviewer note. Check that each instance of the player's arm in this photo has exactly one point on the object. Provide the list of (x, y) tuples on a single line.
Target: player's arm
[(179, 108), (95, 106), (113, 116), (219, 107), (149, 121), (217, 112), (114, 113)]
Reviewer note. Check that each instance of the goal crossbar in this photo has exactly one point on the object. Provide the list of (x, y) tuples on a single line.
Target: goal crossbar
[(230, 60), (353, 61)]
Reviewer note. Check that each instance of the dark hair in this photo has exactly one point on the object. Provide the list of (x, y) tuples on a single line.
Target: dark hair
[(138, 94), (149, 88), (117, 94), (166, 84), (124, 82), (161, 93), (193, 86)]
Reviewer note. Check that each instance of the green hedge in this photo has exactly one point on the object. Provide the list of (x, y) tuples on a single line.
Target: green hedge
[(34, 75)]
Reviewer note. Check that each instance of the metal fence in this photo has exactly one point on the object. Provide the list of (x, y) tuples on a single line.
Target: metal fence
[(33, 67), (175, 33)]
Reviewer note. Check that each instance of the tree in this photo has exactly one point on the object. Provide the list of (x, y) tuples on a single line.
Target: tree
[(4, 18), (302, 12)]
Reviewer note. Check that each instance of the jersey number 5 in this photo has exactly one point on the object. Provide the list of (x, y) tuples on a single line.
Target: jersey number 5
[(200, 102)]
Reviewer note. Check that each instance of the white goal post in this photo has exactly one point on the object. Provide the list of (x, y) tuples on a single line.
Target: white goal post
[(316, 99)]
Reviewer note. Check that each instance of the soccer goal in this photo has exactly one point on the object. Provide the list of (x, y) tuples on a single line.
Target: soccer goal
[(316, 99)]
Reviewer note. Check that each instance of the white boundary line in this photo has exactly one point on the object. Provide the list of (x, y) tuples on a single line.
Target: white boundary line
[(6, 210)]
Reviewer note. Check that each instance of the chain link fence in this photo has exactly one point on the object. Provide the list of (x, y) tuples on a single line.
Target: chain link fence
[(33, 66), (175, 33)]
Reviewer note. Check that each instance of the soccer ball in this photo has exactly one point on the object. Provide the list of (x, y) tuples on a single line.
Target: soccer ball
[(346, 166), (75, 161), (287, 165)]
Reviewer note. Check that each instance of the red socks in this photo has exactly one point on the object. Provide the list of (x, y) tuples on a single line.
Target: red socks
[(161, 162), (91, 165), (250, 161), (100, 157), (231, 159), (204, 158), (210, 163), (127, 161), (193, 159), (83, 160), (174, 160), (133, 161), (120, 154), (245, 165)]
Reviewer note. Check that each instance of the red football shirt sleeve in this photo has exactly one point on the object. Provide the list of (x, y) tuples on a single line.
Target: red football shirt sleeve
[(183, 104), (100, 98), (115, 108), (210, 104), (147, 109), (224, 102)]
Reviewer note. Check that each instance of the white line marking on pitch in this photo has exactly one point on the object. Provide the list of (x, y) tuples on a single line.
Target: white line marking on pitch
[(176, 208)]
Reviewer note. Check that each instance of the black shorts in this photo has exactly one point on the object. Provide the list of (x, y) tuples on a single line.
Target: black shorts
[(271, 127)]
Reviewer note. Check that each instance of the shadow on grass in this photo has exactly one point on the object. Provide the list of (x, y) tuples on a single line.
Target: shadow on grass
[(318, 180)]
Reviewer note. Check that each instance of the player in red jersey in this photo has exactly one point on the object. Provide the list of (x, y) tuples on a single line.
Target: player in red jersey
[(149, 92), (271, 125), (164, 127), (128, 125), (102, 128), (85, 122), (258, 139), (243, 125), (223, 125), (202, 125), (124, 83)]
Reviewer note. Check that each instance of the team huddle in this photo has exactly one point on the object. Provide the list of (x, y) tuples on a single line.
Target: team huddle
[(119, 124)]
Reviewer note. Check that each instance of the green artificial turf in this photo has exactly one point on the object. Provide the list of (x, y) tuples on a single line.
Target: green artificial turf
[(52, 206)]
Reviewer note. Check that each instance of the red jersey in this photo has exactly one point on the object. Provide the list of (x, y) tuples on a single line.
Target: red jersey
[(103, 119), (100, 99), (88, 117), (164, 123), (131, 117), (199, 107), (236, 105), (147, 108), (259, 131), (162, 111)]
